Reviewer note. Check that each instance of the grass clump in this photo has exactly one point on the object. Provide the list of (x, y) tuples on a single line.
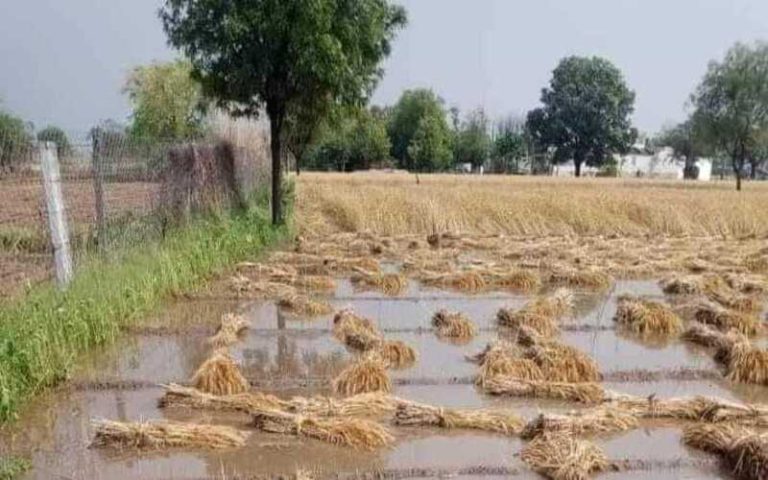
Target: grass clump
[(42, 334), (13, 467)]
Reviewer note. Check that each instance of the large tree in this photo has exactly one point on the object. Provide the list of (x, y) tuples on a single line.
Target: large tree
[(16, 141), (732, 104), (280, 55), (167, 103), (419, 111), (686, 145), (509, 145), (473, 141), (585, 114)]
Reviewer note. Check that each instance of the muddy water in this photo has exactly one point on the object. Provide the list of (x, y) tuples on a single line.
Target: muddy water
[(290, 356)]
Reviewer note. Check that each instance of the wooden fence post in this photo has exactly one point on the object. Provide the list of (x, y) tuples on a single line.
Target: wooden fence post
[(98, 194), (57, 215)]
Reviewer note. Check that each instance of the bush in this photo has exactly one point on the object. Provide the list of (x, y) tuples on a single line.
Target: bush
[(56, 135), (16, 143)]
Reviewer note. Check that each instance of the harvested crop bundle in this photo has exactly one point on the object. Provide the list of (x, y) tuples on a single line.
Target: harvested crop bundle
[(562, 457), (699, 408), (709, 337), (465, 281), (348, 432), (387, 283), (580, 278), (683, 285), (594, 421), (523, 280), (647, 318), (396, 354), (368, 374), (409, 414), (372, 404), (304, 306), (228, 331), (749, 284), (563, 363), (453, 325), (163, 434), (260, 289), (743, 450), (540, 314), (711, 313), (219, 375), (746, 363), (185, 397), (356, 332), (574, 392)]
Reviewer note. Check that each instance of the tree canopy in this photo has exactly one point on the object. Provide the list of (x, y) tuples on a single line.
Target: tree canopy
[(509, 145), (686, 144), (586, 112), (473, 142), (277, 54), (56, 135), (167, 103), (731, 104), (16, 141), (420, 116)]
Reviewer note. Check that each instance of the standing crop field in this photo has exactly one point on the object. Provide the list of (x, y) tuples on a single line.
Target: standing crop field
[(458, 326)]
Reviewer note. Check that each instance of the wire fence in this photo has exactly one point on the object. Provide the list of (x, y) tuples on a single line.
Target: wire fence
[(115, 191)]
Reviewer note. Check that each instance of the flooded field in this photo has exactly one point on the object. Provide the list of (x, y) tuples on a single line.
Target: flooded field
[(289, 354)]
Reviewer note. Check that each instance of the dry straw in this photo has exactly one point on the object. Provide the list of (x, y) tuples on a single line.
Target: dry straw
[(523, 280), (580, 278), (744, 450), (387, 283), (647, 318), (562, 457), (348, 432), (219, 375), (747, 364), (573, 392), (354, 331), (177, 396), (594, 421), (304, 306), (368, 374), (232, 325), (699, 408), (260, 289), (541, 314), (711, 313), (396, 354), (563, 363), (453, 325), (468, 281), (163, 434), (410, 414)]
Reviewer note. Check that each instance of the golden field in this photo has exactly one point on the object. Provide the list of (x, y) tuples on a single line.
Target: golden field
[(395, 203)]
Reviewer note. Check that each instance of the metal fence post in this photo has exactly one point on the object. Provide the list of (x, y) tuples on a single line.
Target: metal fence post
[(57, 217), (98, 194)]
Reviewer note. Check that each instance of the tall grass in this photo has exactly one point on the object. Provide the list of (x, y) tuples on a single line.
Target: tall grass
[(42, 334), (13, 467), (395, 203)]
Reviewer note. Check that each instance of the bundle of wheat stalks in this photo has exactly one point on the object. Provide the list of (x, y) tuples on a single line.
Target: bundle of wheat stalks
[(349, 432), (360, 334), (309, 264), (469, 281), (409, 413), (396, 353), (243, 285), (744, 450), (219, 375), (580, 278), (164, 434), (288, 275), (453, 325), (594, 421), (304, 306), (699, 408), (647, 318), (387, 283), (185, 397), (743, 361), (232, 325), (562, 457), (573, 392), (541, 314), (368, 374), (523, 280), (711, 313)]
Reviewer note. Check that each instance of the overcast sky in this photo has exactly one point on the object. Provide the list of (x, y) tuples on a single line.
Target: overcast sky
[(64, 61)]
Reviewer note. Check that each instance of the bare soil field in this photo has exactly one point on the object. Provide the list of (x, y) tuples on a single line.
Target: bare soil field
[(379, 345)]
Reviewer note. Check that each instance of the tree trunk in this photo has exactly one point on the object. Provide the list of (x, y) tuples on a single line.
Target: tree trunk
[(276, 129), (577, 166), (738, 166), (738, 181)]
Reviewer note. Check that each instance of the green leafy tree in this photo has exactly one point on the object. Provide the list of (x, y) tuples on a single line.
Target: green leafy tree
[(56, 135), (585, 117), (429, 149), (685, 144), (277, 54), (357, 141), (732, 104), (167, 102), (473, 142), (509, 146), (16, 142), (419, 109)]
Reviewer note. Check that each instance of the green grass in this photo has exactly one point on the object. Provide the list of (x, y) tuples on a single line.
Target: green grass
[(13, 467), (43, 333)]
